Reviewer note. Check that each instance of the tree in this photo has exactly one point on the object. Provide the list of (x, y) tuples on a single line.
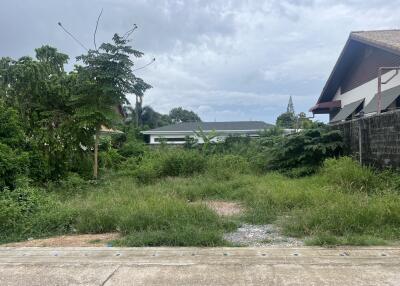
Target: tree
[(286, 120), (102, 84), (38, 88), (304, 122), (178, 115)]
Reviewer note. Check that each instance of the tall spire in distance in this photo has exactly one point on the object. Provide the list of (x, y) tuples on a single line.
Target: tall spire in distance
[(290, 107)]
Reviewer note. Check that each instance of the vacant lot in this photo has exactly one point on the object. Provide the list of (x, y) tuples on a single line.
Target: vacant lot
[(341, 204)]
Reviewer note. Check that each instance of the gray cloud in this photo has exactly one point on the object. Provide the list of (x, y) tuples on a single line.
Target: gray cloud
[(227, 60)]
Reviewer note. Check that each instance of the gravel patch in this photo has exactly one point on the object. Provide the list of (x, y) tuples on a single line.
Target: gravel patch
[(261, 235)]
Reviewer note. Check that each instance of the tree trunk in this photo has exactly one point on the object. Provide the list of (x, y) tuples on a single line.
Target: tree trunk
[(96, 154)]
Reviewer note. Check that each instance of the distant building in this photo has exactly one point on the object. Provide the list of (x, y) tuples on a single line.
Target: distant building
[(351, 89), (176, 133)]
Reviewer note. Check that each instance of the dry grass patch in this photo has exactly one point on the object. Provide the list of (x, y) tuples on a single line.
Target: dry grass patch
[(78, 240), (225, 209)]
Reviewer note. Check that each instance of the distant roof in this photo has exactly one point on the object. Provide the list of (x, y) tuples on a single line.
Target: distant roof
[(217, 126), (388, 40)]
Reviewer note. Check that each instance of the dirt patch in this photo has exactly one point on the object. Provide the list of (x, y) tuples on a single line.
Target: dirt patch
[(261, 235), (68, 240), (224, 208)]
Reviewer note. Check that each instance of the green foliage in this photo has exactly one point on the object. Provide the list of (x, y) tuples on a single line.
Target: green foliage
[(11, 130), (227, 166), (28, 212), (133, 148), (110, 159), (103, 82), (286, 120), (178, 115), (170, 163), (148, 217), (350, 176), (308, 148), (12, 165)]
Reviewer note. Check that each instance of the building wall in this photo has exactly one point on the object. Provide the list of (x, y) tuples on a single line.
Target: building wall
[(367, 90), (380, 139), (365, 64), (200, 140)]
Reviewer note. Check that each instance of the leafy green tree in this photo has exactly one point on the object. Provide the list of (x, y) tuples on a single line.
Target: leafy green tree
[(102, 84), (308, 148), (39, 90), (286, 120), (178, 115), (304, 122)]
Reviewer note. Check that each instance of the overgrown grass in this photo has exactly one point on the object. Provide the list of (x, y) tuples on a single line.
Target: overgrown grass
[(343, 203)]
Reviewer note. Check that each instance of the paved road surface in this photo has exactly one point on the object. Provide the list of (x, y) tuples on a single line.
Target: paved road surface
[(199, 266)]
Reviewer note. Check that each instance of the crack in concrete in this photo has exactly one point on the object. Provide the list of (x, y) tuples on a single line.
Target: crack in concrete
[(109, 276)]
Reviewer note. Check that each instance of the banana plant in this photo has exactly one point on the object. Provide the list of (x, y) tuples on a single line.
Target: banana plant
[(206, 137)]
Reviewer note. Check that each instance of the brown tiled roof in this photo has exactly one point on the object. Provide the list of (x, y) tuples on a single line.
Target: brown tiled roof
[(389, 39)]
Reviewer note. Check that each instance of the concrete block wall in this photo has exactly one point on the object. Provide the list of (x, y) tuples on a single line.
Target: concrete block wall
[(380, 139)]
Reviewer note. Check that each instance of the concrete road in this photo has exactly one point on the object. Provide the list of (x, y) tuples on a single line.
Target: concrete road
[(199, 266)]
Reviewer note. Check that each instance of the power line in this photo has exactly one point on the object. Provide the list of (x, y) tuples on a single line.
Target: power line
[(72, 36), (146, 65)]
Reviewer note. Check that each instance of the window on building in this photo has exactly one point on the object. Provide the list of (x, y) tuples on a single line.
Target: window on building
[(163, 139)]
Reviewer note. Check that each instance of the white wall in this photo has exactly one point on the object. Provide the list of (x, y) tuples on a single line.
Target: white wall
[(218, 138), (367, 90)]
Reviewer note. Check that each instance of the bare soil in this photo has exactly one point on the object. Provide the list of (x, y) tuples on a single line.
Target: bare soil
[(223, 208), (81, 240)]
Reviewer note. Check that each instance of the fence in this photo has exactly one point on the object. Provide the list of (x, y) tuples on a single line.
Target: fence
[(374, 140)]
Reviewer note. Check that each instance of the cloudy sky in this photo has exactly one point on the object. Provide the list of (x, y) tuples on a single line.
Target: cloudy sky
[(224, 59)]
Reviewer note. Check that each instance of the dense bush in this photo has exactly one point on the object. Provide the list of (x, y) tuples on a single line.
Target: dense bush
[(308, 148), (110, 159), (350, 175), (27, 212), (226, 166), (170, 162), (12, 164), (133, 149)]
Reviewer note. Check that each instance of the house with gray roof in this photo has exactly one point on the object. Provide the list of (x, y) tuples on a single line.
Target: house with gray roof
[(177, 133), (365, 79)]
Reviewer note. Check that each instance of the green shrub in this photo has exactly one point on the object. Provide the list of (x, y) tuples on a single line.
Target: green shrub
[(182, 163), (132, 149), (300, 171), (148, 171), (169, 163), (348, 215), (27, 212), (72, 183), (148, 217), (350, 175), (110, 159), (12, 164), (306, 148), (227, 166)]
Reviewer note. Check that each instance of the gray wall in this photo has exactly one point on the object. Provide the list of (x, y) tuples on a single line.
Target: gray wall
[(380, 139)]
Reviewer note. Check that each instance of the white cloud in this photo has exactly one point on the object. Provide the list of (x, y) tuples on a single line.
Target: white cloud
[(224, 59)]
